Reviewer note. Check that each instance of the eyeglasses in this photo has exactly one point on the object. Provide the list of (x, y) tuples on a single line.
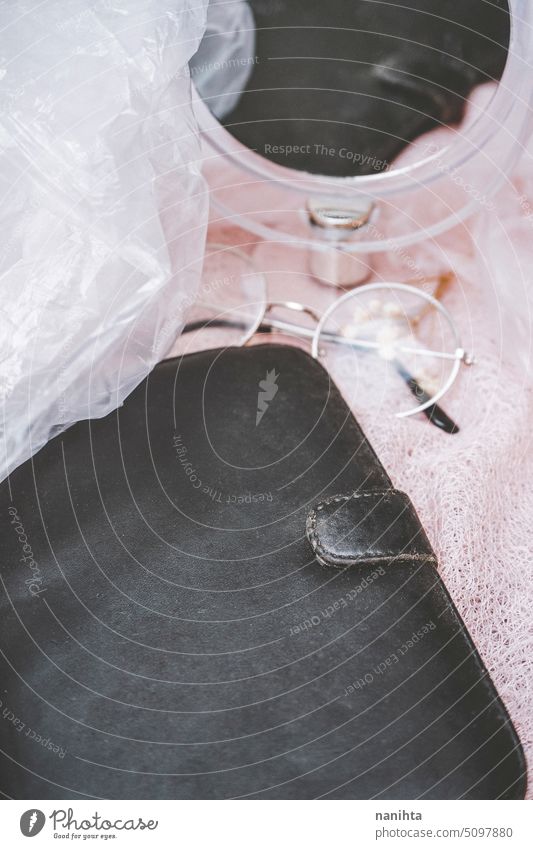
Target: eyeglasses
[(382, 343)]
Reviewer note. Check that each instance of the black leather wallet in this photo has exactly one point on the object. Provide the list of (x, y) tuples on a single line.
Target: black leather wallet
[(216, 592)]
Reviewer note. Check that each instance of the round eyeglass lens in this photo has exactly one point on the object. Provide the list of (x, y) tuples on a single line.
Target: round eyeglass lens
[(390, 348)]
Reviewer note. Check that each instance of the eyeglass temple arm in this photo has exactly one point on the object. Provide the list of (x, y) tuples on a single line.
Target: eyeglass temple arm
[(436, 415)]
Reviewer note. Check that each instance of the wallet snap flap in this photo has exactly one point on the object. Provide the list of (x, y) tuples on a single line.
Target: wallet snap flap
[(367, 527)]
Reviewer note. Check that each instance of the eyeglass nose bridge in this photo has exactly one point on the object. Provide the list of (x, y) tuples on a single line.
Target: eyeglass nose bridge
[(295, 306)]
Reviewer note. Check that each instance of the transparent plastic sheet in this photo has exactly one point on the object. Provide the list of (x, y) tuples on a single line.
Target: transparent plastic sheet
[(223, 64), (103, 209)]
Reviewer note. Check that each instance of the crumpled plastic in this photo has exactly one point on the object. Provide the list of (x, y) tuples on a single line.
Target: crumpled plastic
[(103, 208), (226, 56)]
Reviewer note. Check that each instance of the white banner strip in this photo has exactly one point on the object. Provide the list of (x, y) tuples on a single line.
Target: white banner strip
[(268, 824)]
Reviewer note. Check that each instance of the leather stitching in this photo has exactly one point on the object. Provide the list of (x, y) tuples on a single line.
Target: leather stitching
[(325, 557)]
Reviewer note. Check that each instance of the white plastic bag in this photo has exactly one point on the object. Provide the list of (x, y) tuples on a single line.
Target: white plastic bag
[(103, 210)]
